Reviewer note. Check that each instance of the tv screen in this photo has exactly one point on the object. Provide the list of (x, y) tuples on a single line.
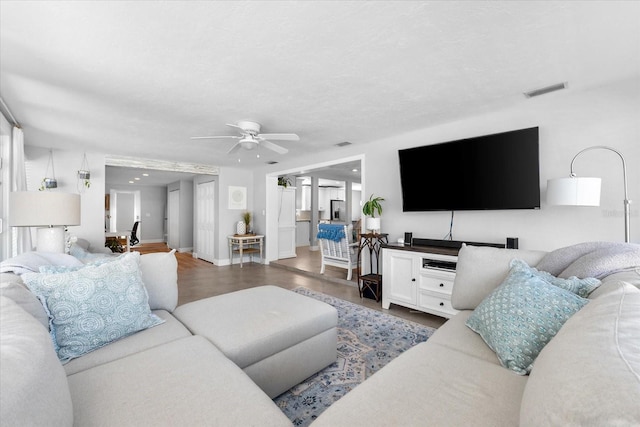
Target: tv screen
[(490, 172)]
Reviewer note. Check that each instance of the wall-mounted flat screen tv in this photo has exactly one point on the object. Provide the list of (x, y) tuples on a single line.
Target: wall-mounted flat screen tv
[(491, 172)]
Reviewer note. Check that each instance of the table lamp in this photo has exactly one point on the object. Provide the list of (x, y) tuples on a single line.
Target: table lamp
[(585, 191), (50, 211)]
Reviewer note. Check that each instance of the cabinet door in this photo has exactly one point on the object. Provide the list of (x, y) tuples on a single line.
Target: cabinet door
[(399, 278)]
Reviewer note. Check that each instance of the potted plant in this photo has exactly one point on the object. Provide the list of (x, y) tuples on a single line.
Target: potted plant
[(246, 217), (284, 181), (369, 208)]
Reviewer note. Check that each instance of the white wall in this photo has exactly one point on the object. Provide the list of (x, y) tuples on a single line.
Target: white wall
[(66, 164), (569, 121), (227, 218)]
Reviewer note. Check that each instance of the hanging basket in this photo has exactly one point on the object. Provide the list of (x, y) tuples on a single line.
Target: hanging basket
[(50, 183), (84, 174)]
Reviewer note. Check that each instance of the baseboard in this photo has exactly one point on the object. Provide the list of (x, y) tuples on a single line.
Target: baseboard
[(152, 241)]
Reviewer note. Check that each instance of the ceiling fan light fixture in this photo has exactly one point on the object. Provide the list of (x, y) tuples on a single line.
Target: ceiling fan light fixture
[(248, 143)]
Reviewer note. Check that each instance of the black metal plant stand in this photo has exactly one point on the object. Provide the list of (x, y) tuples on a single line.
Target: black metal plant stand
[(370, 284)]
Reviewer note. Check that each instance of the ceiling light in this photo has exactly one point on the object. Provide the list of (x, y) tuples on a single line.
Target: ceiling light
[(248, 143), (136, 178), (145, 174), (545, 90), (354, 170), (130, 182)]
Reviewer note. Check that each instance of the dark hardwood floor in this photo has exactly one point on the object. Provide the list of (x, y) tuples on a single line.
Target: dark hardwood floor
[(199, 279)]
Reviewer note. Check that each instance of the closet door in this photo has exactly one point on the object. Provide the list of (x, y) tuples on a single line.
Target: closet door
[(205, 225)]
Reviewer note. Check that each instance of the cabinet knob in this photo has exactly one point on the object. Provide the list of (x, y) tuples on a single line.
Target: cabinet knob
[(413, 280), (442, 285), (441, 304)]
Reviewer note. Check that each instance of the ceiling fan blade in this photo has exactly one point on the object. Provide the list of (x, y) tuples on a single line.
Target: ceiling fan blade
[(280, 136), (215, 137), (235, 148), (271, 146), (234, 126)]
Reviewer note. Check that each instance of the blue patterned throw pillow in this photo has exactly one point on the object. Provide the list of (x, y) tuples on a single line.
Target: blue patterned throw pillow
[(522, 315), (581, 287), (93, 306)]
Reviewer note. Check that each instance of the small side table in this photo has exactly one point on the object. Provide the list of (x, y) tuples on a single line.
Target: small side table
[(245, 244), (371, 281)]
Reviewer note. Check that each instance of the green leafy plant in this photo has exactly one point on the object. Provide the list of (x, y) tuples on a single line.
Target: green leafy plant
[(246, 217), (373, 205), (284, 181)]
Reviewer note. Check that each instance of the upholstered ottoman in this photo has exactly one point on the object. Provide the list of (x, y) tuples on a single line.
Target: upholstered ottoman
[(278, 337)]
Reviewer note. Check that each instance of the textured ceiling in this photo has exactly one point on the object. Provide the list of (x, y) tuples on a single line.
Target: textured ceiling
[(139, 78)]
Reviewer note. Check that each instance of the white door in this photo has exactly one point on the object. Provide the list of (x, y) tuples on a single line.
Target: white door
[(173, 216), (205, 221), (286, 222)]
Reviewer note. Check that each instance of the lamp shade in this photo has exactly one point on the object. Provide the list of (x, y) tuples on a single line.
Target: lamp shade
[(43, 209), (574, 191)]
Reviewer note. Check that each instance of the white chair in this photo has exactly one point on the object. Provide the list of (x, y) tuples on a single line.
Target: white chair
[(338, 253)]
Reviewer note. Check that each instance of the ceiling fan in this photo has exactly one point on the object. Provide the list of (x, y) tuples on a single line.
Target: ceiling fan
[(250, 137)]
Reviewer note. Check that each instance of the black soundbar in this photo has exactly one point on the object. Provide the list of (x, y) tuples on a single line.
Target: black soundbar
[(455, 244)]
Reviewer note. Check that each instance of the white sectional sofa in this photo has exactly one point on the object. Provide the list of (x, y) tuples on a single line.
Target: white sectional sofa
[(587, 375), (165, 375)]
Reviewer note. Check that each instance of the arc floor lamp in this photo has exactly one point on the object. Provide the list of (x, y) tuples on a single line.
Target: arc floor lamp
[(585, 191)]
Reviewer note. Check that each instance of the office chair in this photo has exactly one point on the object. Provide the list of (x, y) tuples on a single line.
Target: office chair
[(134, 238)]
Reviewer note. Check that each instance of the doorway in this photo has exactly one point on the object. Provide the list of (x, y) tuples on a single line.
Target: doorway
[(125, 210), (345, 170)]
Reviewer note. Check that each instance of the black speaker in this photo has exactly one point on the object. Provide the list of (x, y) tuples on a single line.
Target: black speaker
[(408, 237), (512, 243)]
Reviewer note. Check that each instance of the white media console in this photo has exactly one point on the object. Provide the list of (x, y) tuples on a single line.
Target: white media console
[(420, 276)]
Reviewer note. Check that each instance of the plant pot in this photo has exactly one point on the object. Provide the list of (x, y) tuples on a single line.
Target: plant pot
[(84, 174), (373, 224), (50, 183)]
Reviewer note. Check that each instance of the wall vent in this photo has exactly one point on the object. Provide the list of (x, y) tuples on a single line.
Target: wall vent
[(545, 90), (343, 144)]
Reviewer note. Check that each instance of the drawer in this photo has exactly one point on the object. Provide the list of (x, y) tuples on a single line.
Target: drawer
[(434, 283), (436, 303)]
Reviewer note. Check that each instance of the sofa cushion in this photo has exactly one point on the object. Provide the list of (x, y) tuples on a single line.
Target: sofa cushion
[(170, 330), (34, 389), (185, 382), (431, 385), (481, 269), (522, 315), (589, 374), (93, 306), (456, 335), (160, 277), (12, 287)]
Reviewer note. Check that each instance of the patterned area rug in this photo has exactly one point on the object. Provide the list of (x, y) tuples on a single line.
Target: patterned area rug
[(367, 340)]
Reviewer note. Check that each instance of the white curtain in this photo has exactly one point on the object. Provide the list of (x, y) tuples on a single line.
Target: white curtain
[(21, 235)]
